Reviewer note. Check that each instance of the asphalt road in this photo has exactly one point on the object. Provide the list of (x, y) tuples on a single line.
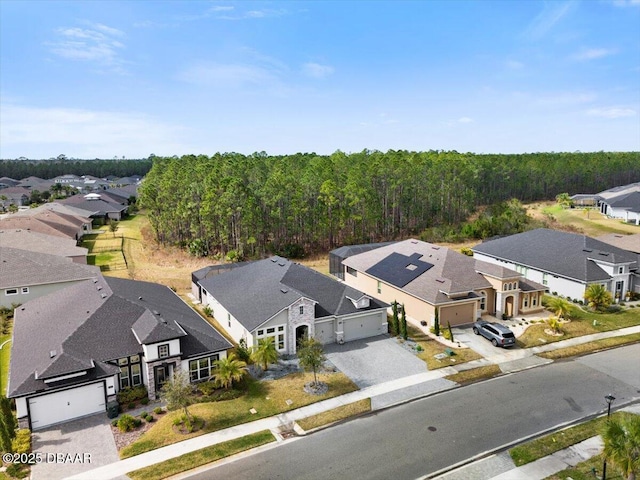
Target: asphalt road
[(425, 436)]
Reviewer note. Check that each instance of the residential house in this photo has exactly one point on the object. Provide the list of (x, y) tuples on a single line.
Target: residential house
[(42, 243), (6, 182), (25, 275), (431, 280), (17, 196), (566, 263), (337, 256), (105, 208), (49, 220), (631, 243), (289, 302), (74, 349), (625, 206)]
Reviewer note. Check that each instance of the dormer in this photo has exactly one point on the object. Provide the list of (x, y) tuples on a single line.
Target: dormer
[(363, 302)]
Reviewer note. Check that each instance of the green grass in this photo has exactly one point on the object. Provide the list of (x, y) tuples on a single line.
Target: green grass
[(430, 348), (336, 414), (5, 355), (201, 457), (590, 222), (590, 347), (543, 446), (475, 374), (584, 471), (582, 324), (268, 398)]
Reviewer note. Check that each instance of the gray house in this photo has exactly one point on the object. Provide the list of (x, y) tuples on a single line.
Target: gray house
[(289, 302), (73, 350)]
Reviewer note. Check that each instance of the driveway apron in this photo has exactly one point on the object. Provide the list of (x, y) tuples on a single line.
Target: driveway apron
[(73, 447), (374, 360)]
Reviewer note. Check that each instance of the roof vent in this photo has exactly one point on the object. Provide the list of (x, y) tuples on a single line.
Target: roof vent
[(95, 280), (155, 312), (436, 248), (439, 280), (52, 353), (282, 264), (99, 287), (414, 241), (274, 259), (163, 320), (604, 254), (103, 295), (587, 250), (139, 298), (284, 290)]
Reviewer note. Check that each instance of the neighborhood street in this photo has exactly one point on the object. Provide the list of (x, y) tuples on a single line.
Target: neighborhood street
[(423, 437)]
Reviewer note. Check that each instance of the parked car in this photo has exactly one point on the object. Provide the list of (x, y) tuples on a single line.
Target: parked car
[(499, 335)]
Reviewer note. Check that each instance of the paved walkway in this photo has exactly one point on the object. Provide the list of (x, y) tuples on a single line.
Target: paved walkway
[(430, 381)]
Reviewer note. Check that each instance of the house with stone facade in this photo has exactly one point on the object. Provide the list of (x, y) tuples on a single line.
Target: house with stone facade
[(278, 298), (430, 279), (74, 349)]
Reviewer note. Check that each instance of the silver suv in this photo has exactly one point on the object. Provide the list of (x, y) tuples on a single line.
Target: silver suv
[(499, 335)]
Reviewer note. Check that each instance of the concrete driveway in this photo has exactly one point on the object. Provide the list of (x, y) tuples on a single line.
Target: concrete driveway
[(84, 444), (373, 360)]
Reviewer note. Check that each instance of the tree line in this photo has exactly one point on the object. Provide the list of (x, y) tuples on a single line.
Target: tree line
[(250, 204), (19, 169)]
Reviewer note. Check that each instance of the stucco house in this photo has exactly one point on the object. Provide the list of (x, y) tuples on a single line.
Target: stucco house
[(73, 350), (428, 278), (26, 275), (277, 298), (566, 263)]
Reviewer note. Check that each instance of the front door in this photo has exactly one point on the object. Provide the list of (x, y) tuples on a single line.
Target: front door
[(160, 374), (302, 333)]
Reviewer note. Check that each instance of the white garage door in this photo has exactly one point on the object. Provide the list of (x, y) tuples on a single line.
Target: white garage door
[(325, 332), (66, 405), (362, 327)]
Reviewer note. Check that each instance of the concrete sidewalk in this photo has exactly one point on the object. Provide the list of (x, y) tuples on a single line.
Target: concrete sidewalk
[(382, 395)]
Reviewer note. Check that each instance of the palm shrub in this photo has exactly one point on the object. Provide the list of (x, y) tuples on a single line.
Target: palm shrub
[(265, 352), (622, 444), (560, 307), (554, 324), (229, 370), (598, 297)]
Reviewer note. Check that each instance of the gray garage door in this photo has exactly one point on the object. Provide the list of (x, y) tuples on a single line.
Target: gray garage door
[(362, 327), (325, 332)]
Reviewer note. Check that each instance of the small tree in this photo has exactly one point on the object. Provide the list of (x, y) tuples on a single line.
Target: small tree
[(265, 352), (436, 323), (8, 424), (554, 324), (311, 357), (598, 297), (450, 331), (179, 393), (113, 227), (394, 318), (229, 370), (622, 445), (403, 322), (564, 200), (243, 352), (561, 307)]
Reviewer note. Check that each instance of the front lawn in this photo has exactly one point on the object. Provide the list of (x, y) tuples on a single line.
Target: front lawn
[(590, 347), (583, 323), (336, 414), (475, 374), (431, 347), (267, 398), (5, 355)]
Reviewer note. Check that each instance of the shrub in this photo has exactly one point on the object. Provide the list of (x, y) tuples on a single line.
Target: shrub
[(137, 422), (17, 470), (177, 421), (206, 388), (22, 442), (145, 401), (143, 414), (419, 348), (613, 308), (207, 311), (131, 394), (131, 405), (149, 418), (158, 410), (126, 423), (446, 333), (114, 422)]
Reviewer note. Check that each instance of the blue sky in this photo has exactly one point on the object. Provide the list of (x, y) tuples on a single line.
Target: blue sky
[(103, 79)]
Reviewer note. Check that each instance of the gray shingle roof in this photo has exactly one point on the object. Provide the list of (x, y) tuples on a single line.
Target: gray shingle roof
[(91, 323), (625, 242), (22, 268), (452, 272), (257, 291), (564, 254), (41, 243)]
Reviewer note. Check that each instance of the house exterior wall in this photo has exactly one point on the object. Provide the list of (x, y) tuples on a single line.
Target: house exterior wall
[(414, 307), (297, 319), (530, 302), (563, 286), (21, 407), (227, 321), (151, 350), (35, 291)]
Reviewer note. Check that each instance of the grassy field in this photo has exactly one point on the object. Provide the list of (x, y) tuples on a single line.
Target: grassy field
[(201, 457), (430, 348), (268, 398), (340, 413), (5, 354)]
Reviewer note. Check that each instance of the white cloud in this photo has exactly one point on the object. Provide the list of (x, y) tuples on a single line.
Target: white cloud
[(42, 132), (612, 112), (317, 70), (594, 53), (551, 14), (98, 44), (226, 75)]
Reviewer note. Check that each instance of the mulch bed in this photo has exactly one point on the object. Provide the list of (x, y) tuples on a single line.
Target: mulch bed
[(124, 439)]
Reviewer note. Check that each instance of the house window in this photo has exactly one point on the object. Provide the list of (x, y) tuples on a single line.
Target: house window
[(163, 350), (11, 291), (130, 371), (278, 336), (379, 286), (25, 290), (301, 310), (352, 271), (202, 368), (545, 279), (229, 319), (270, 330), (620, 270), (534, 300), (525, 301), (619, 286), (280, 341), (483, 300)]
